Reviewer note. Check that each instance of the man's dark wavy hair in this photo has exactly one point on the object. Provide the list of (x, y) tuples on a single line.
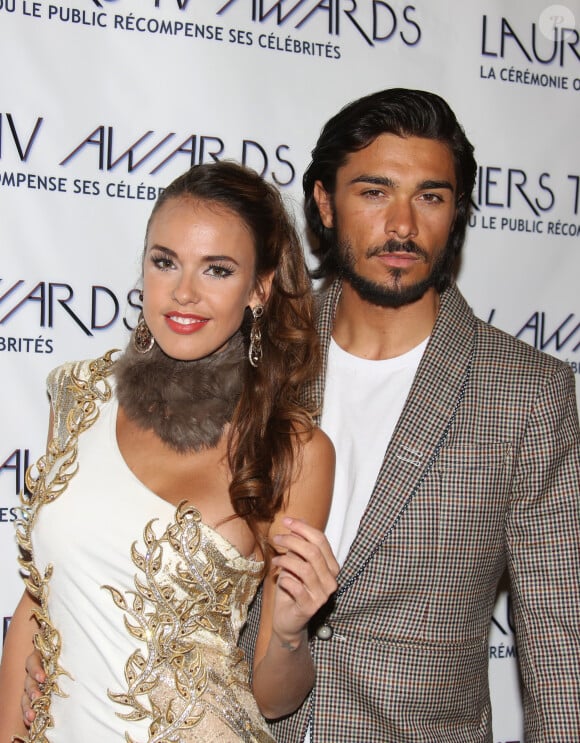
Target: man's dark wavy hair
[(406, 113)]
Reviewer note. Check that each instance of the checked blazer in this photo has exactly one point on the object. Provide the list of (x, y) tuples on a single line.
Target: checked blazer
[(482, 473)]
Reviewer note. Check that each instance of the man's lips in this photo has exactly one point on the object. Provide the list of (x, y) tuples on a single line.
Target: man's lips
[(185, 324), (400, 259), (398, 254)]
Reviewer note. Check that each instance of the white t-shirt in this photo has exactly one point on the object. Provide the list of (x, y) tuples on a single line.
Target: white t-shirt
[(363, 400)]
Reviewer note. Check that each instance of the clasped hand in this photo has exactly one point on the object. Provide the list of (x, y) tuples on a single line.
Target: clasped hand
[(306, 572)]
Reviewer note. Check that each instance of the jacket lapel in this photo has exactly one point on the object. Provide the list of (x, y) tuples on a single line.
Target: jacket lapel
[(328, 302), (430, 408)]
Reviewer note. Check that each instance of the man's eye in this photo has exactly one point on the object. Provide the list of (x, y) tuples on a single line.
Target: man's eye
[(373, 193)]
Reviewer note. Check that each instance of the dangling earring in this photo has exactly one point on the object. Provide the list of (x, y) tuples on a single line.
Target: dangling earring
[(255, 350), (143, 339)]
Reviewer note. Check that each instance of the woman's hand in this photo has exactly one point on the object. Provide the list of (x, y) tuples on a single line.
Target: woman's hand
[(301, 579), (306, 571)]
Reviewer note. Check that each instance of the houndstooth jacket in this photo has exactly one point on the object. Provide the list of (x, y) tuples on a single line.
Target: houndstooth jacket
[(482, 474)]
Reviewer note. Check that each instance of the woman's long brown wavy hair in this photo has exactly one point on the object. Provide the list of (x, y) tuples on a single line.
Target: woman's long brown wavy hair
[(272, 415)]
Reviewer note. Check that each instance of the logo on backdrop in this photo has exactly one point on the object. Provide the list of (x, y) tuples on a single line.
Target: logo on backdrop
[(107, 148), (375, 21), (50, 305), (12, 478), (6, 622), (275, 25), (556, 334), (553, 334), (516, 199), (12, 475), (543, 52), (502, 621)]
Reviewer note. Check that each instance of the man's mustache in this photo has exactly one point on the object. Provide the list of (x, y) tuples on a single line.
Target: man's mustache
[(395, 246)]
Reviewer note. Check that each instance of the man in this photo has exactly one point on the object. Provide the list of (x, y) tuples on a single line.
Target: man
[(458, 454)]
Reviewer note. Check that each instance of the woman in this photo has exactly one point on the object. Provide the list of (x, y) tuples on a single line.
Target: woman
[(197, 442)]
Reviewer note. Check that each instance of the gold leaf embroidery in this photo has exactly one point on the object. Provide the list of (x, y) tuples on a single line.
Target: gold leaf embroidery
[(45, 482), (181, 610)]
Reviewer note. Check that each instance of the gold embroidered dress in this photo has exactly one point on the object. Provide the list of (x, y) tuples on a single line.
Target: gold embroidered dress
[(141, 603)]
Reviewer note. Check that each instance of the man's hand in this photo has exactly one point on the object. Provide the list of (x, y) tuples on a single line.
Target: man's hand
[(35, 677)]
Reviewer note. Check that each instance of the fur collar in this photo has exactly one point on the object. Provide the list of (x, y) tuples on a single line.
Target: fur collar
[(186, 403)]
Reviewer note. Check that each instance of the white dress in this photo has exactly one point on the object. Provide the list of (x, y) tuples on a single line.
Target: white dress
[(142, 603)]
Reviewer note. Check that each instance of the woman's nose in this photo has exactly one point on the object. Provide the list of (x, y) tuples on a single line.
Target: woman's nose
[(186, 290)]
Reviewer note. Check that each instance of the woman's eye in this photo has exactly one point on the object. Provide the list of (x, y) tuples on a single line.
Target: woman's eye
[(162, 262), (219, 272)]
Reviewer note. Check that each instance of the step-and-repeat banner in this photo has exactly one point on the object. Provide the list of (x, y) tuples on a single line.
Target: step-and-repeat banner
[(103, 102)]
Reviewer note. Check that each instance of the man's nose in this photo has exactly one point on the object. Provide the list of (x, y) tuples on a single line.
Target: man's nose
[(401, 220)]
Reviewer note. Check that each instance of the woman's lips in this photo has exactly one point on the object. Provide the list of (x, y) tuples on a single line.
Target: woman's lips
[(185, 324)]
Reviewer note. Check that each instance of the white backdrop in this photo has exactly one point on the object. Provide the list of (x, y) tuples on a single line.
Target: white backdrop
[(103, 102)]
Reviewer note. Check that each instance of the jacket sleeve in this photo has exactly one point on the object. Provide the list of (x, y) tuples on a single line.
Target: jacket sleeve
[(249, 633), (543, 534)]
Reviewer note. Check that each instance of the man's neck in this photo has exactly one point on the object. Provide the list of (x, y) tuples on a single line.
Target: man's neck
[(373, 332)]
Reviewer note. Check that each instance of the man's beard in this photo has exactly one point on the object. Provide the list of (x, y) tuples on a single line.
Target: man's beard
[(395, 295)]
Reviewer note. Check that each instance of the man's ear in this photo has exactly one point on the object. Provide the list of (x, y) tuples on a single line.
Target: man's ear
[(324, 203)]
